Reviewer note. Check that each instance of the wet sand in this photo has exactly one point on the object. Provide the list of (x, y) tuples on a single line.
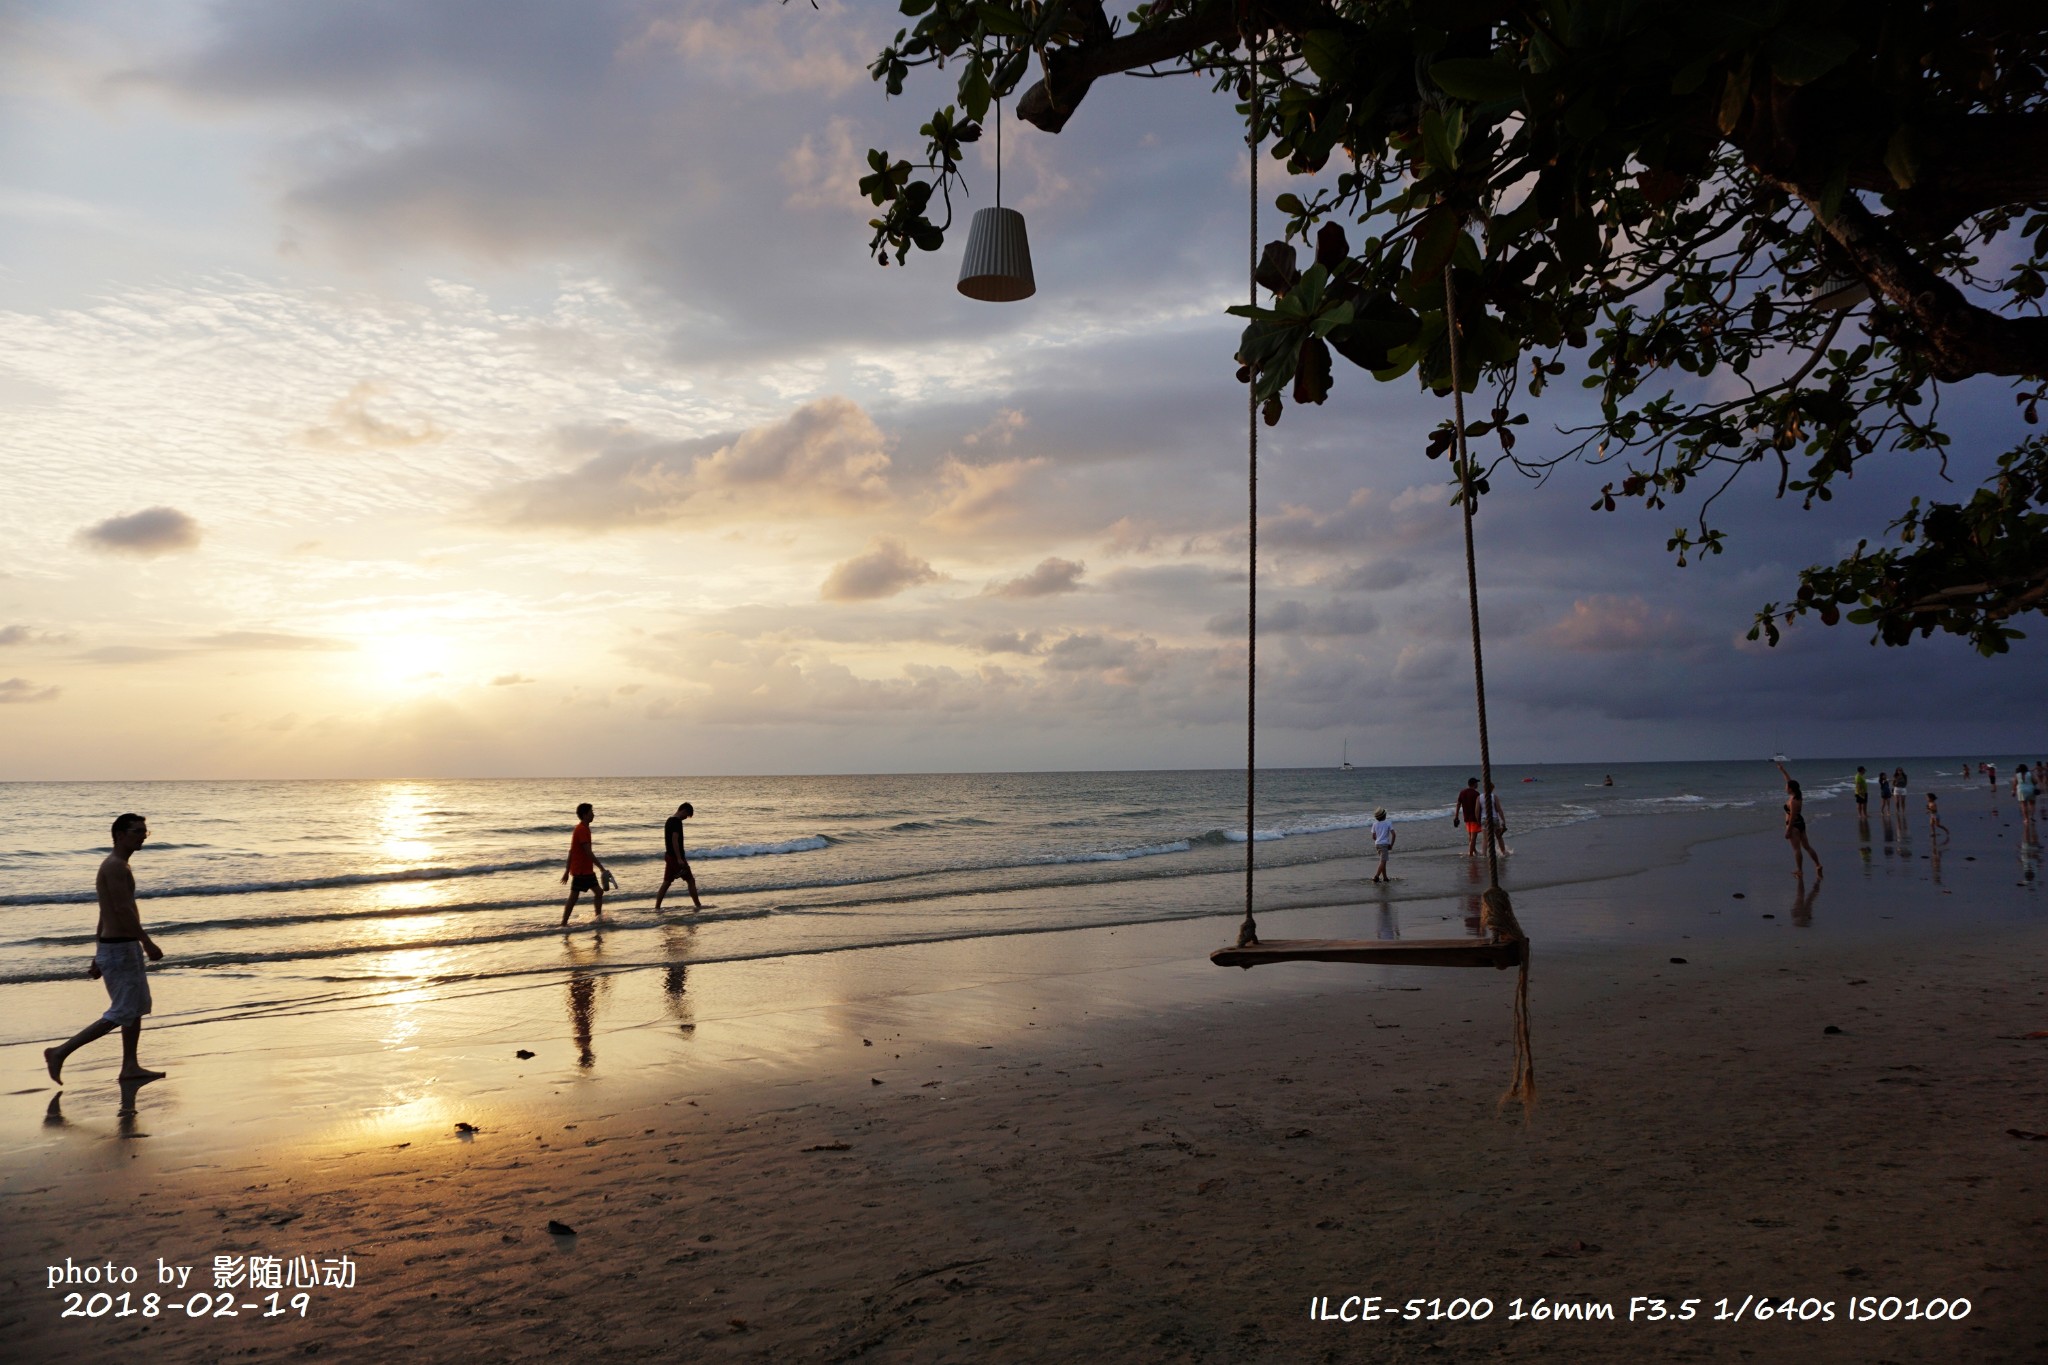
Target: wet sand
[(1094, 1142)]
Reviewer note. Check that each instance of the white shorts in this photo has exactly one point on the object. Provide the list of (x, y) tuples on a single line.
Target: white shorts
[(125, 970)]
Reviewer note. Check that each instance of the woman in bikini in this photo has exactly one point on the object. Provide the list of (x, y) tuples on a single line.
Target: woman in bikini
[(1795, 828)]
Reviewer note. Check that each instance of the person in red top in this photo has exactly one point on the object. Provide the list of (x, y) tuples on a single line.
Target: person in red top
[(1467, 814), (582, 871)]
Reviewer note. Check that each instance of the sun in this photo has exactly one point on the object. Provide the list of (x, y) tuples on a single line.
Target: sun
[(408, 659)]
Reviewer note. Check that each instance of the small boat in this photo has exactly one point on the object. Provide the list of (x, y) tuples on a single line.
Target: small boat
[(1345, 766)]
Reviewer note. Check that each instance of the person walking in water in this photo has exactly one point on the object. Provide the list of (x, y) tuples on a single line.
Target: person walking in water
[(1468, 813), (1795, 828), (582, 871), (119, 961), (1496, 822), (675, 862), (1383, 840)]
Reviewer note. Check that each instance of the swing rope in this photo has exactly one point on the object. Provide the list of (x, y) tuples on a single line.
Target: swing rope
[(1497, 912), (1248, 932)]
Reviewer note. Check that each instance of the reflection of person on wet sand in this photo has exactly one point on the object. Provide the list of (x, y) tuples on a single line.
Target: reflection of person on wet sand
[(584, 985), (1795, 827), (581, 873), (119, 961), (675, 861), (1802, 903)]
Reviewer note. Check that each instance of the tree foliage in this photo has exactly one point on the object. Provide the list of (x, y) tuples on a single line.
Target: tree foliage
[(1830, 208)]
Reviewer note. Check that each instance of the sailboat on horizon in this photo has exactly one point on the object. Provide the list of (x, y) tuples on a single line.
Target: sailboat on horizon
[(1345, 766)]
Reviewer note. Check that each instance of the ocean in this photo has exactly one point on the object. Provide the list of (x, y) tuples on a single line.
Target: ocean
[(309, 889)]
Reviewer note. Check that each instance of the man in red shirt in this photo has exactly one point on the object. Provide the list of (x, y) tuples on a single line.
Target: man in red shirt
[(581, 873), (1467, 814)]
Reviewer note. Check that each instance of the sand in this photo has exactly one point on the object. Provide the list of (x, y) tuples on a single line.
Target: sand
[(1094, 1143)]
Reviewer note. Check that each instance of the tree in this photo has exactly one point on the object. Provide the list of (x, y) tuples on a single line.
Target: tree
[(1640, 193)]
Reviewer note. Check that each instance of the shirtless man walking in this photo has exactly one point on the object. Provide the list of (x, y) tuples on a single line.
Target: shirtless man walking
[(119, 959), (675, 861)]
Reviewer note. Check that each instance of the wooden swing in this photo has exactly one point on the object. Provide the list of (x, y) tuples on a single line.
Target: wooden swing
[(1504, 945)]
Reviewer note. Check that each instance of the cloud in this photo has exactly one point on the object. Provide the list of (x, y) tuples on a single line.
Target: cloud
[(827, 455), (354, 424), (29, 635), (22, 692), (885, 570), (152, 531), (1011, 642), (269, 640), (1050, 577), (129, 654), (514, 680), (1290, 617), (1001, 429), (975, 493), (1606, 622)]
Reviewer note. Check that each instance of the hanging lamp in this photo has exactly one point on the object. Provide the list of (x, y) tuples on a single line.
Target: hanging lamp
[(997, 268)]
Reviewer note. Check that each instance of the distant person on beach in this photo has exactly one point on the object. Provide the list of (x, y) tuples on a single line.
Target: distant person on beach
[(2024, 791), (675, 862), (1884, 794), (1609, 782), (1934, 826), (1991, 776), (1795, 827), (119, 959), (1383, 840), (1496, 822), (1899, 790), (1468, 814), (1862, 792), (582, 871)]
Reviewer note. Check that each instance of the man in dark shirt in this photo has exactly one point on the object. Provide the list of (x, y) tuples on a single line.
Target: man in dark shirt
[(1468, 812), (676, 863)]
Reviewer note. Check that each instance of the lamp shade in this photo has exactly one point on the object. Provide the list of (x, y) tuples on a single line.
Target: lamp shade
[(1836, 291), (998, 264)]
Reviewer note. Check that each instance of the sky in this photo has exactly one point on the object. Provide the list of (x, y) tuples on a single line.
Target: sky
[(502, 387)]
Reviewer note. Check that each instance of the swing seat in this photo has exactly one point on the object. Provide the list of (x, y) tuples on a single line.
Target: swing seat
[(1395, 952)]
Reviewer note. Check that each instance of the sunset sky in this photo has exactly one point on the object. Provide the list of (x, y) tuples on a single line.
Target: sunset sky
[(486, 387)]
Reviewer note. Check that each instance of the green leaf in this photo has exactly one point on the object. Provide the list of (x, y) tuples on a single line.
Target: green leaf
[(998, 18), (1326, 53), (1801, 53), (1477, 79), (974, 92), (1734, 97), (1900, 160)]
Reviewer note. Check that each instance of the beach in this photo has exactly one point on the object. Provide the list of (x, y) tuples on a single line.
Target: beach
[(1042, 1144)]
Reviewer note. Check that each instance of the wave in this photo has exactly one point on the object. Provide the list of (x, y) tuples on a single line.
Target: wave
[(1118, 855), (338, 881), (548, 928)]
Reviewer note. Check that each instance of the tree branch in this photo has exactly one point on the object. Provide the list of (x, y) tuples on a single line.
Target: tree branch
[(1961, 339)]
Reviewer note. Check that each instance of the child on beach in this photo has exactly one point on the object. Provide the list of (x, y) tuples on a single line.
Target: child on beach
[(581, 872), (1383, 840), (1935, 829)]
